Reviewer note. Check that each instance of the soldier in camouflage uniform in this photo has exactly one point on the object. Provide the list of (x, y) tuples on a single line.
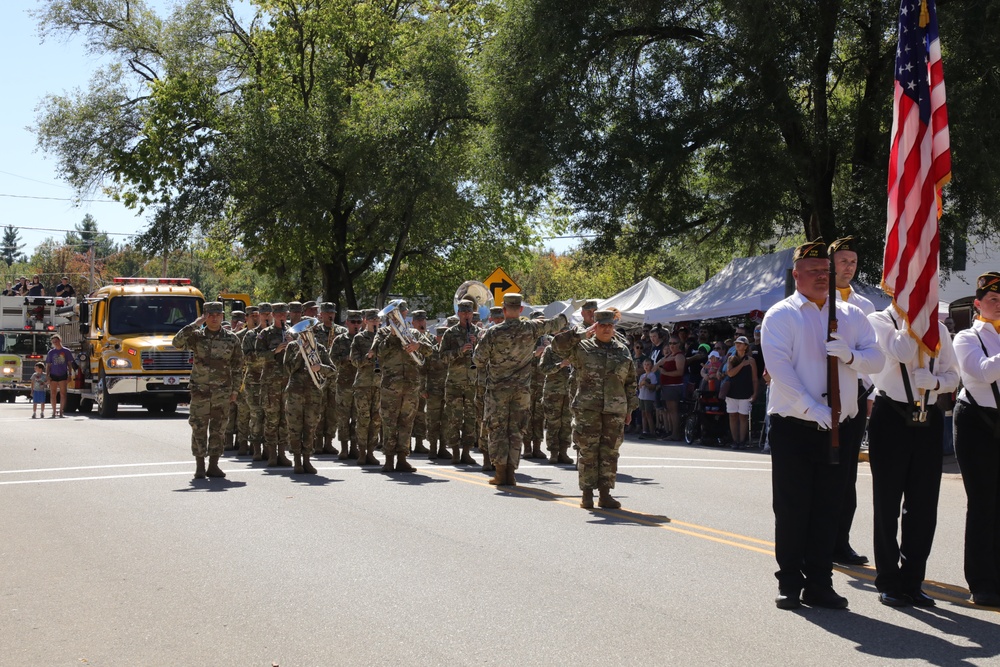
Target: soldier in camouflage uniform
[(253, 364), (418, 319), (340, 355), (536, 418), (237, 324), (270, 348), (603, 404), (366, 390), (506, 355), (242, 420), (556, 404), (324, 334), (435, 376), (215, 373), (459, 426), (398, 394), (304, 400)]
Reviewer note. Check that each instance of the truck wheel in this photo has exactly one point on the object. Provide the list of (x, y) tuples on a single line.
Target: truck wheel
[(153, 408), (169, 408), (72, 402), (107, 405), (86, 405)]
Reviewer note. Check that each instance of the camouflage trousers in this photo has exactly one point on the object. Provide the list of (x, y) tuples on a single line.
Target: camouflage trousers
[(536, 419), (398, 409), (459, 425), (481, 421), (435, 412), (345, 415), (368, 422), (209, 418), (273, 403), (558, 422), (506, 414), (420, 420), (303, 411), (251, 415), (231, 425), (599, 436), (327, 408)]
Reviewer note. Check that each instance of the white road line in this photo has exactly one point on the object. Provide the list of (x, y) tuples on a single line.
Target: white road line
[(694, 468), (161, 474), (765, 460), (103, 467)]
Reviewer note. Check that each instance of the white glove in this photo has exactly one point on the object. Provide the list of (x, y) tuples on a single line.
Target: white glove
[(822, 415), (573, 306), (924, 379), (838, 347), (904, 345)]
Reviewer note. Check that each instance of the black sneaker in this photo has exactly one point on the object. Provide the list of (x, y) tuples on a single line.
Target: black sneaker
[(788, 598), (824, 597)]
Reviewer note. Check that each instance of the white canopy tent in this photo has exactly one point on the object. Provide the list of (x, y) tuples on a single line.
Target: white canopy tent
[(744, 285), (632, 302)]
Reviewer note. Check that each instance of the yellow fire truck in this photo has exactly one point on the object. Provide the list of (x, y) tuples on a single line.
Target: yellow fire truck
[(26, 328), (121, 337)]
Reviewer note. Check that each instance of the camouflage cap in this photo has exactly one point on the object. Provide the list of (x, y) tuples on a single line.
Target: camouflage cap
[(327, 307), (589, 304), (280, 307), (466, 306), (295, 307), (354, 315), (512, 299), (308, 304), (371, 313), (419, 315), (605, 316), (265, 308), (252, 310), (212, 307), (238, 316), (496, 311)]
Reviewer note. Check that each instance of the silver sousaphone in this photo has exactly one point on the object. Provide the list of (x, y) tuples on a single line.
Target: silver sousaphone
[(302, 333), (399, 327)]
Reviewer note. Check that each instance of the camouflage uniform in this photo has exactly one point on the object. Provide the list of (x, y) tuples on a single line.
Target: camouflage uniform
[(250, 396), (459, 426), (214, 380), (435, 376), (241, 418), (340, 355), (327, 429), (272, 383), (366, 396), (556, 404), (536, 419), (605, 395), (506, 354), (420, 420), (399, 390), (303, 399)]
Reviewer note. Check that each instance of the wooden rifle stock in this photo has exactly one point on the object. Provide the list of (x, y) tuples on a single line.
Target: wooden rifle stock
[(833, 372)]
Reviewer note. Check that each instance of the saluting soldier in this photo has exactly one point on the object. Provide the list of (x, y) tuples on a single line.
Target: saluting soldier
[(340, 355), (270, 347), (418, 319), (366, 390), (459, 425), (304, 400), (398, 393), (556, 402), (215, 371), (324, 334), (536, 419), (253, 364), (435, 378), (506, 354)]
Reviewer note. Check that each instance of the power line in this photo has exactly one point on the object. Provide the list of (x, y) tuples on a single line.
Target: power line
[(75, 200), (67, 231), (35, 180)]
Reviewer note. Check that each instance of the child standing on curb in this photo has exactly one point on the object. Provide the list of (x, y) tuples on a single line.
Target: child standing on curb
[(38, 384)]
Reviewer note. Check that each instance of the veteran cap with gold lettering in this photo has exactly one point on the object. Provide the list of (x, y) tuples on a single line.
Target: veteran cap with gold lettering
[(811, 250)]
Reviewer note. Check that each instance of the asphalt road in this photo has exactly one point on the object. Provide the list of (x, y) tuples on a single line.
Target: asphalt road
[(113, 555)]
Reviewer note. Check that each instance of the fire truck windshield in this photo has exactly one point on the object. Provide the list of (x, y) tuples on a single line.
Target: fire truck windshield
[(150, 314)]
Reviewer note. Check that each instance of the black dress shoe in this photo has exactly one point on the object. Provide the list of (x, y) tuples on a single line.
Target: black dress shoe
[(788, 598), (849, 557), (986, 599), (824, 597), (893, 599), (920, 599)]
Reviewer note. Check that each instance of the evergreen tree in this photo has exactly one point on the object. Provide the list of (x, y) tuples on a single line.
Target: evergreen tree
[(10, 249)]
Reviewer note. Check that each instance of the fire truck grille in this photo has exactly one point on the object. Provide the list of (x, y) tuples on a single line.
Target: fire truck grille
[(177, 360)]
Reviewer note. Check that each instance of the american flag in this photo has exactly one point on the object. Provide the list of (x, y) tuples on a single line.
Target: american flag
[(919, 166)]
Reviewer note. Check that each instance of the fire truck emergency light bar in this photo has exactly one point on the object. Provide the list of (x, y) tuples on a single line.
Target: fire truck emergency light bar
[(152, 281)]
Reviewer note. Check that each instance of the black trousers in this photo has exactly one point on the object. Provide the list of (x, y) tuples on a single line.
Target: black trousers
[(906, 472), (851, 436), (978, 450), (807, 492)]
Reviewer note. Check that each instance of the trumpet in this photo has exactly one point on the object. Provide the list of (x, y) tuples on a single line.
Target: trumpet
[(302, 332), (400, 327)]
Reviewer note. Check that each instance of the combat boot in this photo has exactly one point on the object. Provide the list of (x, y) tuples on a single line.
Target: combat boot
[(361, 457), (456, 455), (443, 452), (500, 477), (527, 450), (433, 453), (606, 501), (419, 447), (282, 459), (272, 455), (402, 465), (554, 456), (199, 467), (298, 470), (536, 451), (213, 467), (510, 475), (328, 447), (587, 502), (244, 448), (487, 464), (564, 457), (466, 458), (257, 454), (307, 466), (389, 465), (354, 451)]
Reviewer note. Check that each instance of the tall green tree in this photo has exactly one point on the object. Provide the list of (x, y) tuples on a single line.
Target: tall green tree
[(86, 234), (11, 246)]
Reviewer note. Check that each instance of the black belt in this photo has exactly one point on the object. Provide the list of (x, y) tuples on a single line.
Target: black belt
[(908, 411), (989, 415), (990, 411), (805, 423)]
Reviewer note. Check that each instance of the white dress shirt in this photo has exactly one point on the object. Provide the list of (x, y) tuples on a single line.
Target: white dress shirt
[(890, 379), (866, 306), (978, 369), (793, 336)]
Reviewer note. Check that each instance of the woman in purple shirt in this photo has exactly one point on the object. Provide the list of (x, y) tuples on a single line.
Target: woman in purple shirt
[(57, 363)]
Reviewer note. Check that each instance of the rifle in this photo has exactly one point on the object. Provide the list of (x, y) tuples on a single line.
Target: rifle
[(833, 372)]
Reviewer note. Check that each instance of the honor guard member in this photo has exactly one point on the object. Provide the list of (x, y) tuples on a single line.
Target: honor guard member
[(606, 395), (906, 436), (340, 355), (418, 319), (843, 254), (253, 364), (238, 319), (217, 361), (270, 346), (556, 402), (459, 427), (400, 388), (304, 400), (435, 379), (535, 434), (506, 355), (324, 333), (807, 485), (367, 381), (977, 441)]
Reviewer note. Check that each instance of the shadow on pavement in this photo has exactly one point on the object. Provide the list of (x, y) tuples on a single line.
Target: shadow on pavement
[(413, 478), (623, 478), (603, 517), (211, 485)]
